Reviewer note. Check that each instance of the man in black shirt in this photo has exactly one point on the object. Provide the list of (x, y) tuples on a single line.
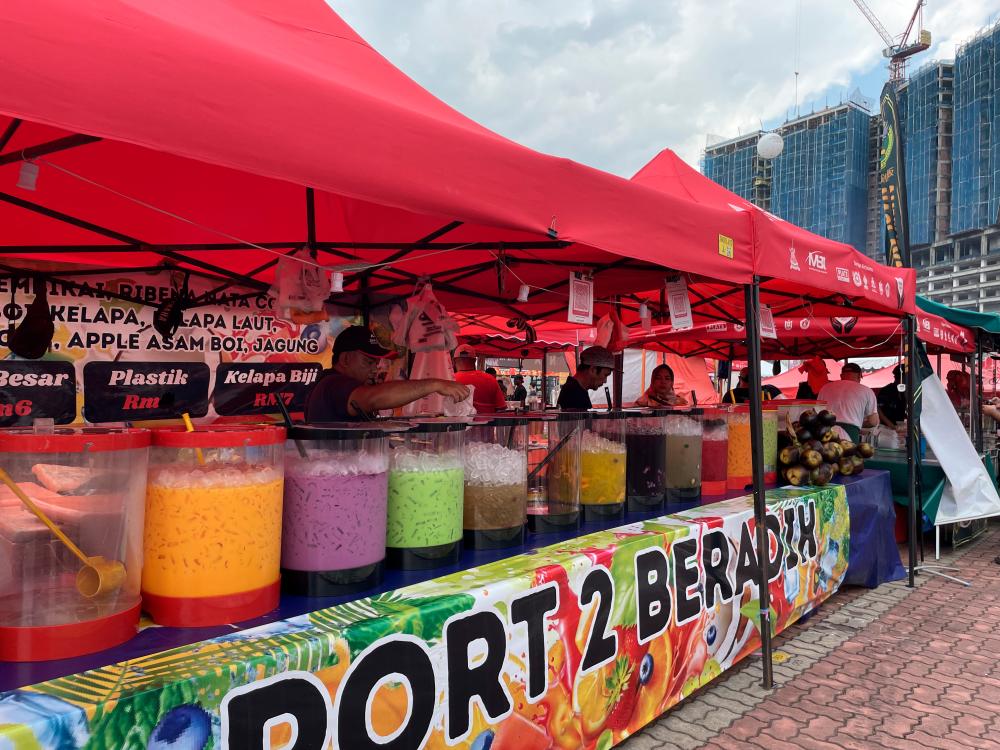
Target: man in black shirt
[(520, 392), (596, 364), (892, 403), (346, 392)]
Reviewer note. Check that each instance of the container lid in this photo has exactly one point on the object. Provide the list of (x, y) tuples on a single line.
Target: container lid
[(500, 420), (218, 436), (771, 405), (685, 411), (438, 424), (614, 414), (716, 412), (343, 430), (72, 439), (540, 416), (739, 409)]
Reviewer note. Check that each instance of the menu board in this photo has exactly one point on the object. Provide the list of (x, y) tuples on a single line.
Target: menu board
[(31, 390), (127, 391), (254, 388)]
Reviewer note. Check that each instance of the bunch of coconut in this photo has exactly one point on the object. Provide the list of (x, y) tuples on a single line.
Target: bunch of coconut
[(814, 450)]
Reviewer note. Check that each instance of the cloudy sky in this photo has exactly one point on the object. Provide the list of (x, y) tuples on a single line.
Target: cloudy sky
[(610, 82)]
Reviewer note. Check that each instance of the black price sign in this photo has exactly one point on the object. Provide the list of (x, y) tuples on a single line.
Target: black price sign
[(128, 391), (254, 388), (36, 390)]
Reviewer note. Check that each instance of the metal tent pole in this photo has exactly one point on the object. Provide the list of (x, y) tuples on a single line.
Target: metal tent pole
[(911, 447), (545, 378), (975, 408), (752, 298)]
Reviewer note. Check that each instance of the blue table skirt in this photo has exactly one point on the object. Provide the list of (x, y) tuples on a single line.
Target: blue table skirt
[(874, 557)]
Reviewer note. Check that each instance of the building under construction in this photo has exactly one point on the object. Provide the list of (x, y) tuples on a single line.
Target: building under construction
[(819, 182), (950, 117)]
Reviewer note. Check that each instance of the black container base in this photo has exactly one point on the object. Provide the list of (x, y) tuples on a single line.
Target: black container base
[(423, 558), (331, 582), (551, 523), (609, 513), (649, 504), (494, 538)]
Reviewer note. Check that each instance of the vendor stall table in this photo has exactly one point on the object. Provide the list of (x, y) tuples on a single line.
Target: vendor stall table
[(874, 556), (322, 665)]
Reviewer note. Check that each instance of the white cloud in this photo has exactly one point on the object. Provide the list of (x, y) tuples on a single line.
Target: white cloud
[(611, 82)]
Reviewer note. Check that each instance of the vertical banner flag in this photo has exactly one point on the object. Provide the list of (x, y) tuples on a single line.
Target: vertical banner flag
[(892, 181)]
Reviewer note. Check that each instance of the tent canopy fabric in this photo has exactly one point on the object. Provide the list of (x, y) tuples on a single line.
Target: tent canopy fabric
[(988, 322), (793, 258), (836, 337), (272, 122)]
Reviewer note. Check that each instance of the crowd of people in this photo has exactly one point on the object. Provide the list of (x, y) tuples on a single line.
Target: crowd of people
[(349, 390)]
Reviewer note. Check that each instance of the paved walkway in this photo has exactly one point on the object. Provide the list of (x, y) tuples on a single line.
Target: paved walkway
[(891, 667)]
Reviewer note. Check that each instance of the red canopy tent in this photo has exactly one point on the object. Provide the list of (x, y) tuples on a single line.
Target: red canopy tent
[(234, 130), (836, 338), (797, 262)]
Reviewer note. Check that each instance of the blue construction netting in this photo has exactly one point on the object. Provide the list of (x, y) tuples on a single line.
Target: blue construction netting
[(821, 178), (731, 165), (975, 187)]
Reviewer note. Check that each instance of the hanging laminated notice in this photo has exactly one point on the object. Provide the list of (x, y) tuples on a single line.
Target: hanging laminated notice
[(679, 304), (581, 301), (767, 330)]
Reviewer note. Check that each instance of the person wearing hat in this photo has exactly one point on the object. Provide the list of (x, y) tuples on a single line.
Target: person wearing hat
[(486, 395), (892, 403), (853, 403), (346, 393), (596, 364)]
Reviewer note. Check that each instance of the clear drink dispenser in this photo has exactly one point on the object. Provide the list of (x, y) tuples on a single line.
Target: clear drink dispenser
[(714, 454), (554, 471), (71, 557), (740, 470), (334, 518), (684, 438), (602, 468), (213, 524), (770, 425), (646, 461), (426, 482), (496, 482)]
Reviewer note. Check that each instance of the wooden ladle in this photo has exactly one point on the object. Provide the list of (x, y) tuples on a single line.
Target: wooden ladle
[(98, 575)]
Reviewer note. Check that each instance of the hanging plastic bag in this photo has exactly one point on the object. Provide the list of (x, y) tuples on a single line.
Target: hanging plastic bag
[(300, 286)]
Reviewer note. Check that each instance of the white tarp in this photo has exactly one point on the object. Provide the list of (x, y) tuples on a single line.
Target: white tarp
[(969, 493)]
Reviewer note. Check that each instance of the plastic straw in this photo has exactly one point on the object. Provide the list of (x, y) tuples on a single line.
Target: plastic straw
[(190, 428), (288, 424)]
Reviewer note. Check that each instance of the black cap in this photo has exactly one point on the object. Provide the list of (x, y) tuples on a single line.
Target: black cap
[(359, 339)]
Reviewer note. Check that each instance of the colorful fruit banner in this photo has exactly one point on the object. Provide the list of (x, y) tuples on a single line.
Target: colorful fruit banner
[(577, 645)]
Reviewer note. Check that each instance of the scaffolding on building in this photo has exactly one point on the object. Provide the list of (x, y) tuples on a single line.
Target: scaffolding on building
[(927, 127), (736, 165), (821, 181), (975, 193)]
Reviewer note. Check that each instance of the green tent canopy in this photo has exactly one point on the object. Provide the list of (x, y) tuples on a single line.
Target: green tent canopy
[(989, 322)]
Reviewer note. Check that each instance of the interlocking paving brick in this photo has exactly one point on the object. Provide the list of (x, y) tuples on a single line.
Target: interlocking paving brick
[(893, 668)]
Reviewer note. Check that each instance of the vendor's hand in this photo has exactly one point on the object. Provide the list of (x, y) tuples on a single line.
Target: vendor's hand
[(450, 389)]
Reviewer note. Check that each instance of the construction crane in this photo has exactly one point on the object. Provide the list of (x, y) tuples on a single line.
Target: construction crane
[(897, 51)]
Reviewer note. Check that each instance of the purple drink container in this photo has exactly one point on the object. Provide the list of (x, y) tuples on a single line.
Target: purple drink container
[(333, 527)]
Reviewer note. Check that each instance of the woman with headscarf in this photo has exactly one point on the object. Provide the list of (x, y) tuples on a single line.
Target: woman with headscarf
[(661, 389)]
